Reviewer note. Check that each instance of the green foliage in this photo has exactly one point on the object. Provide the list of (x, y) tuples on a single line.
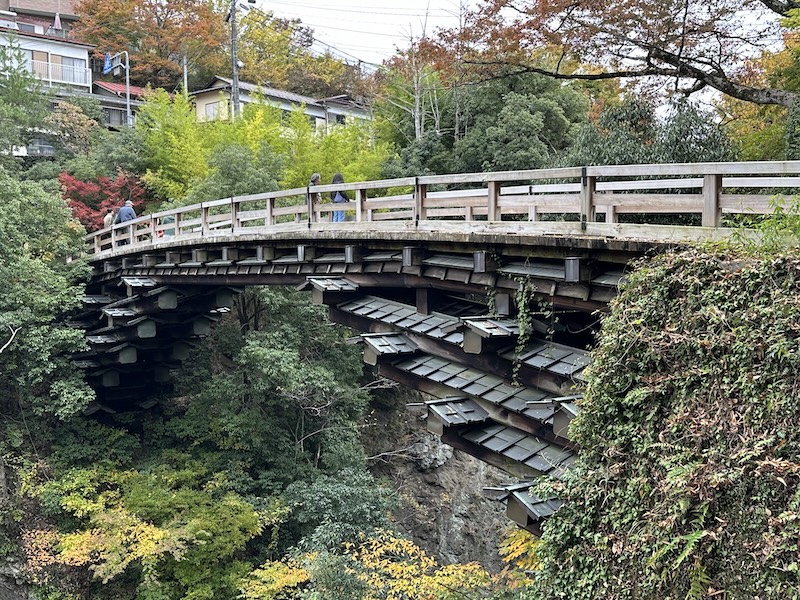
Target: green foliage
[(178, 147), (338, 508), (39, 285), (235, 171), (772, 233), (631, 132), (689, 452)]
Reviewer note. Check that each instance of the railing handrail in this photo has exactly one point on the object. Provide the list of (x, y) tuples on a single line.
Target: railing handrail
[(704, 189)]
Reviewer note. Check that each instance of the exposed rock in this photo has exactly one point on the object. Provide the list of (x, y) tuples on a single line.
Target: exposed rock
[(12, 582), (441, 504)]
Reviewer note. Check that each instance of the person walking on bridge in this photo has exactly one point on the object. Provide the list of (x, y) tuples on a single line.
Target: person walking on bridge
[(315, 197), (108, 218), (338, 197), (126, 213)]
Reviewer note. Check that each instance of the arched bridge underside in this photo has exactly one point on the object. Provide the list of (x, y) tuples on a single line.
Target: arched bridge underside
[(435, 297)]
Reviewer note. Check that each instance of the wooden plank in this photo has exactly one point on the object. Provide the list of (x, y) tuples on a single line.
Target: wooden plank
[(455, 202), (752, 203), (521, 175), (789, 167), (377, 204), (544, 200), (651, 184), (761, 182)]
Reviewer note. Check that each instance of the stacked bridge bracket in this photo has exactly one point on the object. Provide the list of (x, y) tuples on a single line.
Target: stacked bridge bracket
[(440, 318)]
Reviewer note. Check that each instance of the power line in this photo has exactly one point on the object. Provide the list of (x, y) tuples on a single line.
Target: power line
[(411, 12)]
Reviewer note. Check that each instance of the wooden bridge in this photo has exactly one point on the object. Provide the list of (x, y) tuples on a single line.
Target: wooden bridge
[(430, 270)]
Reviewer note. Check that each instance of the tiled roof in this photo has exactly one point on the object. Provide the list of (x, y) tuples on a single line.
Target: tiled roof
[(555, 358), (537, 508), (535, 453), (488, 327), (332, 284), (403, 315), (119, 88), (269, 92), (389, 343), (457, 411), (491, 388)]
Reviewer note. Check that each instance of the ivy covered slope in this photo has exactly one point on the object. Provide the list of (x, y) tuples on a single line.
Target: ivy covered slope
[(690, 460)]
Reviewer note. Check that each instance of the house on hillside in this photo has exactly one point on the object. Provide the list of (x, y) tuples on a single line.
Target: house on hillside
[(214, 100), (41, 29), (52, 17), (113, 100), (60, 63)]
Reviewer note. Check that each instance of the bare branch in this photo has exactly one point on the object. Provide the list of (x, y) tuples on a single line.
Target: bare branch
[(10, 339), (780, 7)]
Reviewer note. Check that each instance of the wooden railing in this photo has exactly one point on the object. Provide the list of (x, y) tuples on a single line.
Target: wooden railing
[(582, 196)]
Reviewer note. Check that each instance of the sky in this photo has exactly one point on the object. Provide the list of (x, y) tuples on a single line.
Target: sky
[(367, 30)]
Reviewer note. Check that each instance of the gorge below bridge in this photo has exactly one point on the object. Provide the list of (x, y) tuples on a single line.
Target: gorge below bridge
[(439, 273)]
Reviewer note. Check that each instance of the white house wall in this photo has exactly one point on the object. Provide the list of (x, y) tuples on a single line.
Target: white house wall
[(49, 46)]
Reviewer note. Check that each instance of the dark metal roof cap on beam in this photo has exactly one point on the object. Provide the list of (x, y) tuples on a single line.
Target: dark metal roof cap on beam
[(457, 411), (549, 356), (329, 284), (389, 343), (512, 443), (469, 380)]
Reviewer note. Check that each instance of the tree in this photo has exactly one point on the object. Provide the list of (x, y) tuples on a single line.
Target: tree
[(23, 104), (90, 200), (177, 146), (694, 43), (39, 286), (157, 35), (70, 128), (632, 132)]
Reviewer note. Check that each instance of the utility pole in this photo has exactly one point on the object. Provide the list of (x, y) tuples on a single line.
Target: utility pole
[(114, 62), (235, 61), (234, 65)]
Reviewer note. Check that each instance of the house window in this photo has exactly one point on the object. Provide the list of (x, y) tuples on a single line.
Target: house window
[(26, 27), (115, 117), (70, 70), (36, 62), (212, 110)]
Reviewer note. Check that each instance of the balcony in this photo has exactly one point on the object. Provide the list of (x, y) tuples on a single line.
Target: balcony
[(58, 75)]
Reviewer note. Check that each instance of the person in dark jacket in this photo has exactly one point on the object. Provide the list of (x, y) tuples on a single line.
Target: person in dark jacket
[(126, 213), (338, 197)]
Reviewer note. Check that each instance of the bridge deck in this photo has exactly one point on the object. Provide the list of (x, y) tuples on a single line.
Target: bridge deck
[(579, 203)]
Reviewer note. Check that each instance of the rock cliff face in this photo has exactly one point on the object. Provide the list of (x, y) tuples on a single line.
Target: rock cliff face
[(441, 504)]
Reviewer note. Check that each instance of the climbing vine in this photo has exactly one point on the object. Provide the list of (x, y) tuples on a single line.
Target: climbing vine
[(528, 308), (690, 454), (523, 299)]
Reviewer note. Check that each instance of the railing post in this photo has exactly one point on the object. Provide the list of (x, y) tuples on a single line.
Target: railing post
[(234, 215), (312, 217), (269, 219), (493, 198), (361, 198), (588, 185), (420, 192), (177, 222), (204, 226), (712, 185)]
